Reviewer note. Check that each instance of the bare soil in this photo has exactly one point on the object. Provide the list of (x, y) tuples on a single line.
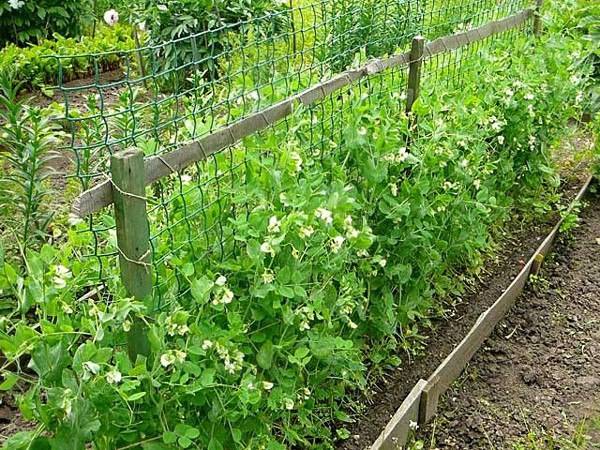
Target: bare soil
[(540, 371)]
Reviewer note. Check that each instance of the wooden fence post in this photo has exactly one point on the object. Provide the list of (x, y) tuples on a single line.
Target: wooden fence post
[(133, 237), (537, 18), (414, 71)]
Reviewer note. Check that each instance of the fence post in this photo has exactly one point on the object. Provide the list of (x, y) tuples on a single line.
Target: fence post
[(537, 18), (133, 237), (414, 71)]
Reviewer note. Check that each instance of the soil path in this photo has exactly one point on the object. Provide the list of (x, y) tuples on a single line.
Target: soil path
[(539, 373)]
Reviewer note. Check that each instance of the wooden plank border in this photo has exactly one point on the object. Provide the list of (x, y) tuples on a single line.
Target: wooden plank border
[(397, 432), (423, 399), (160, 166), (451, 368)]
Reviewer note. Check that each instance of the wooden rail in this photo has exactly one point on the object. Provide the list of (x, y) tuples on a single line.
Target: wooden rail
[(160, 166)]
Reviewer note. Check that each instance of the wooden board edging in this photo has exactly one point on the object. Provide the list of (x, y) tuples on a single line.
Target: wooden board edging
[(396, 433)]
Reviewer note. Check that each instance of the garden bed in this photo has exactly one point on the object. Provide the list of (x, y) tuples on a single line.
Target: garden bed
[(517, 248), (536, 378)]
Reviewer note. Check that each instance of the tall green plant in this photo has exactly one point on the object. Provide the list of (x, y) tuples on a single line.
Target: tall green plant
[(27, 138)]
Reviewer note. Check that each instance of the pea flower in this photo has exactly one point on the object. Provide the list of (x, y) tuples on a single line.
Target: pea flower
[(114, 377), (268, 276), (306, 232), (295, 156), (227, 296), (221, 280), (336, 243), (266, 247), (16, 4), (267, 385), (325, 215), (274, 225), (206, 344), (111, 17)]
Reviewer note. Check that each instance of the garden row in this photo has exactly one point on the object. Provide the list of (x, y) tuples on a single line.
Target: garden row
[(290, 269)]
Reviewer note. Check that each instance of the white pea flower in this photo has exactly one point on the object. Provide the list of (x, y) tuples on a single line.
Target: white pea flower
[(325, 215), (394, 189), (501, 140), (382, 262), (111, 17), (274, 225), (477, 184), (180, 356), (413, 425), (221, 280), (352, 325), (295, 253), (162, 7), (362, 131), (266, 247), (352, 233), (186, 179), (227, 297), (142, 26), (336, 243), (306, 232), (166, 359), (268, 276), (114, 377), (464, 163), (289, 404), (267, 385), (16, 4), (206, 344), (529, 96)]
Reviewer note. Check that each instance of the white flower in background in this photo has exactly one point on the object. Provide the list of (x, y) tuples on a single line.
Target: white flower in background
[(227, 296), (266, 247), (402, 154), (166, 359), (382, 262), (127, 325), (267, 385), (462, 144), (306, 232), (448, 185), (180, 356), (325, 215), (530, 110), (186, 179), (221, 280), (352, 325), (362, 254), (394, 189), (268, 276), (529, 96), (142, 26), (295, 156), (274, 225), (62, 274), (111, 17), (162, 8), (477, 184), (304, 326), (206, 344), (501, 140), (464, 163), (348, 221), (336, 243), (532, 140), (114, 377), (352, 233), (413, 425), (362, 131), (509, 92), (16, 4), (289, 404)]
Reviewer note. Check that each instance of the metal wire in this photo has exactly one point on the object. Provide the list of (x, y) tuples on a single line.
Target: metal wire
[(176, 92)]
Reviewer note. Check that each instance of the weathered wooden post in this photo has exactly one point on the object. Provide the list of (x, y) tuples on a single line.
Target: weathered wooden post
[(537, 18), (414, 71), (133, 236)]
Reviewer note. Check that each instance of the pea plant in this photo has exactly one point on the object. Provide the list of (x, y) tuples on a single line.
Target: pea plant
[(311, 266)]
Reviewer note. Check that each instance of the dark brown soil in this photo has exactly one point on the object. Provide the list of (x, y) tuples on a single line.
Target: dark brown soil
[(540, 370)]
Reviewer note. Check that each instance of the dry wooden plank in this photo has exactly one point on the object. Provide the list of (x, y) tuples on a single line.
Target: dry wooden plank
[(414, 71), (397, 431)]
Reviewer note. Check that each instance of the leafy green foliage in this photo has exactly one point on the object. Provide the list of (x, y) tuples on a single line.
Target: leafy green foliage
[(33, 67), (23, 22), (336, 255), (27, 140)]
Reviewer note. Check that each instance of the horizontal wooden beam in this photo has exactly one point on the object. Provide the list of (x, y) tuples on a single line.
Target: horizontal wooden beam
[(160, 166)]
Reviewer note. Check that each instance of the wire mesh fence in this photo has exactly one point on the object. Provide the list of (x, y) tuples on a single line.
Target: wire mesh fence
[(177, 92)]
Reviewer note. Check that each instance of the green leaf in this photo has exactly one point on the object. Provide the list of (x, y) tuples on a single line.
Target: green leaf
[(201, 288), (184, 442), (169, 437), (264, 357), (10, 379)]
